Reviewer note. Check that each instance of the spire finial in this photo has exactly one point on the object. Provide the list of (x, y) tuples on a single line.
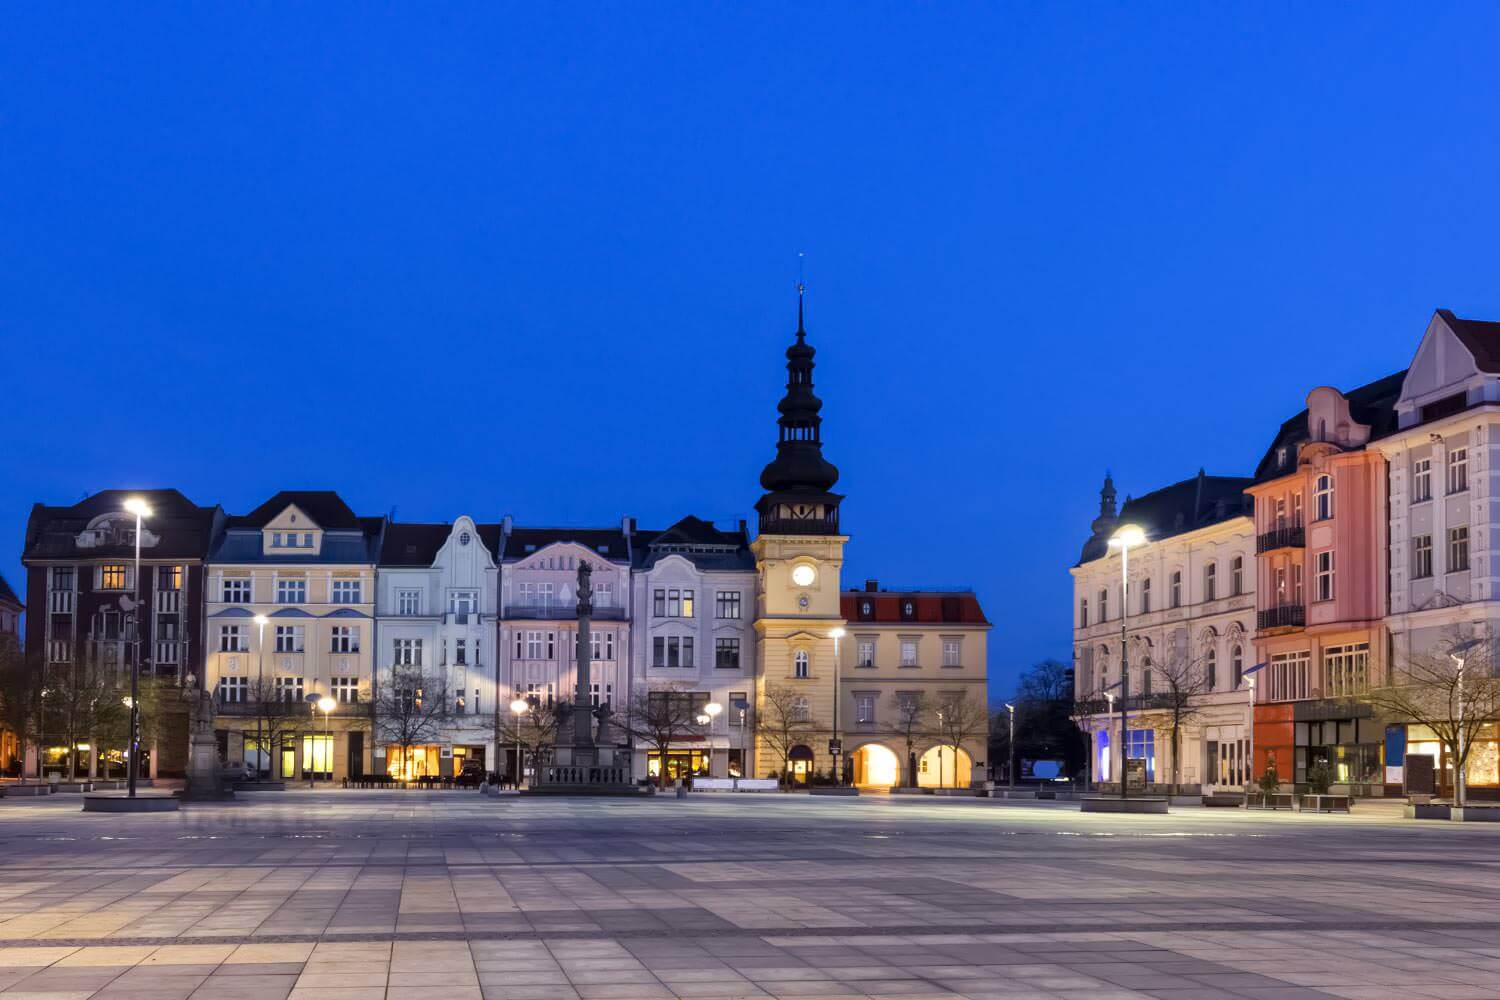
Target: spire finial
[(801, 290)]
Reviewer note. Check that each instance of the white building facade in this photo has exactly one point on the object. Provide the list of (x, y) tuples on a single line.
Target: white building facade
[(437, 601), (1191, 615)]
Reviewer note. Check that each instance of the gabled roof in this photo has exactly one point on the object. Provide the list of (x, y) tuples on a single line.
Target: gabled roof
[(929, 607), (325, 507), (1373, 403), (419, 544), (700, 542), (8, 596), (184, 529), (611, 543), (1482, 338), (1182, 507)]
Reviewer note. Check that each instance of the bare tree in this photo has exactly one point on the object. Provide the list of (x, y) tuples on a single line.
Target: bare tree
[(912, 722), (277, 718), (784, 722), (84, 704), (533, 731), (20, 698), (960, 718), (410, 708), (1452, 690), (1182, 680), (660, 717)]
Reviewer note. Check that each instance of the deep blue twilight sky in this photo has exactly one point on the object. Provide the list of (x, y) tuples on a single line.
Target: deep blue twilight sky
[(540, 259)]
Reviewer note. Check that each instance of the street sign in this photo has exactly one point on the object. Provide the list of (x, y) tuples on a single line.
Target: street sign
[(835, 747)]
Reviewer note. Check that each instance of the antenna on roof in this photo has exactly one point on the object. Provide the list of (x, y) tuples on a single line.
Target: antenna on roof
[(801, 287)]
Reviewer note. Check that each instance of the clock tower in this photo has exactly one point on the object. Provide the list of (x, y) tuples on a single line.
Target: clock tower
[(799, 553)]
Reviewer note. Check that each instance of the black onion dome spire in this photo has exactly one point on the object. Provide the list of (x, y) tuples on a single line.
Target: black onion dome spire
[(799, 463)]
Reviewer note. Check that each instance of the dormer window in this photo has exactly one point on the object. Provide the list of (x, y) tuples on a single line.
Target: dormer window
[(1281, 457), (463, 539)]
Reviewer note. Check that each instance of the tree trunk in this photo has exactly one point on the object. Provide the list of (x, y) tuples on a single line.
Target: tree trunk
[(1176, 755)]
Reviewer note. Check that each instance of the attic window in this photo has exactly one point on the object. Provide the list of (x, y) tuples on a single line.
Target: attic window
[(1281, 456), (603, 548), (411, 550), (531, 548), (1445, 407), (463, 539)]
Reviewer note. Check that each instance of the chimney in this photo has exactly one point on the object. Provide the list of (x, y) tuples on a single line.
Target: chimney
[(872, 586), (627, 525), (506, 524)]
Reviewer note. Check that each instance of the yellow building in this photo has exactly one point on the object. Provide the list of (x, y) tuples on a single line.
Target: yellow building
[(290, 615)]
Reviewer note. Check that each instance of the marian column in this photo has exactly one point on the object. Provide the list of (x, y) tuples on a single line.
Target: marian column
[(583, 702)]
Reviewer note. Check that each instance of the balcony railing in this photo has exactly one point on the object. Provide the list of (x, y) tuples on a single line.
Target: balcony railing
[(560, 610), (1282, 616), (1134, 703), (291, 709), (797, 526), (1289, 536)]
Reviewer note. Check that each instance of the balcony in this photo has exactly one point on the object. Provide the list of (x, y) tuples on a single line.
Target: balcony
[(1283, 616), (561, 612), (291, 709), (1134, 703), (1285, 536), (797, 526)]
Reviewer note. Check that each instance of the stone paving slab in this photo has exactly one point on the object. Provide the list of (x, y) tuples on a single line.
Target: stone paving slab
[(338, 895)]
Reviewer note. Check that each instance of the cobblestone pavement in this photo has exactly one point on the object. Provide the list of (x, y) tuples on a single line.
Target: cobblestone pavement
[(335, 895)]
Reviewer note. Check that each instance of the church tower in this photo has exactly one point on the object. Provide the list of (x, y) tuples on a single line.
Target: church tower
[(799, 554)]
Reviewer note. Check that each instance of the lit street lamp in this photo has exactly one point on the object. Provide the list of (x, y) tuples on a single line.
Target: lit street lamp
[(138, 507), (837, 633), (1125, 538), (519, 707), (260, 694), (1010, 768), (1459, 654), (327, 705)]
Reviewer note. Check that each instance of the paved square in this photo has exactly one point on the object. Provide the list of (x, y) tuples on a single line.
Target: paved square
[(349, 895)]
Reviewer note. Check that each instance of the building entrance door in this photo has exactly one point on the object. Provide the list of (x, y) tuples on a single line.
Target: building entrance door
[(1228, 764)]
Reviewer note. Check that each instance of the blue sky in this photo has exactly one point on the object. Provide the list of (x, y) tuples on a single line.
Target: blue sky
[(541, 260)]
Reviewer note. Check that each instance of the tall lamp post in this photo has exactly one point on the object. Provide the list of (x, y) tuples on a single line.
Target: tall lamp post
[(260, 694), (518, 708), (1109, 698), (836, 634), (1125, 538), (710, 713), (327, 705), (138, 507), (1010, 746), (1459, 654)]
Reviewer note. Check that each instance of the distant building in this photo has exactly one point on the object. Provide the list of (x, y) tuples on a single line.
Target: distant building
[(10, 644), (1189, 626), (436, 608), (10, 612), (304, 565)]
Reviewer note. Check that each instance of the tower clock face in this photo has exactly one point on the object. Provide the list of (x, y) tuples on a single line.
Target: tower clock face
[(804, 575)]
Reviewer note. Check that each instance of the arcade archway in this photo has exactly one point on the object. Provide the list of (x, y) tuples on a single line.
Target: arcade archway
[(939, 768), (875, 766)]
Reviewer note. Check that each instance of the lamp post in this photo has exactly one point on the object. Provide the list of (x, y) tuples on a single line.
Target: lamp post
[(260, 693), (1010, 744), (1126, 537), (710, 713), (1459, 654), (1250, 729), (138, 507), (518, 708), (327, 705), (1109, 698), (837, 633)]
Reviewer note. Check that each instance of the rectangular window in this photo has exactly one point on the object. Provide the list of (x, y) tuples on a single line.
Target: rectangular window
[(288, 689), (672, 651), (674, 604), (236, 590), (602, 645), (346, 690), (1421, 480), (604, 595), (1458, 549), (952, 653), (346, 591), (551, 641), (1211, 581), (291, 591), (1346, 670), (459, 702), (659, 651), (115, 576), (168, 578), (864, 709), (1237, 576), (1176, 589), (288, 638), (463, 602), (1458, 470), (659, 604), (232, 639), (409, 602), (1288, 677), (533, 645), (727, 653), (345, 639), (1323, 576), (60, 591), (460, 652), (1104, 605), (408, 652), (1146, 596), (232, 690), (1083, 612), (736, 713), (687, 604), (865, 653), (1421, 556), (58, 651), (1297, 582), (908, 652), (727, 604)]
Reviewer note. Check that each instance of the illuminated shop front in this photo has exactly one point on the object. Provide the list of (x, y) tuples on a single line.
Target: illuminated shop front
[(680, 764), (1482, 771), (411, 763)]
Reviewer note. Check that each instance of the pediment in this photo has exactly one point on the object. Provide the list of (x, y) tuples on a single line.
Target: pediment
[(1442, 366), (294, 518)]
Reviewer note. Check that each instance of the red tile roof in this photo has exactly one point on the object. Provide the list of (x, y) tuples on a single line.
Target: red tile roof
[(928, 607)]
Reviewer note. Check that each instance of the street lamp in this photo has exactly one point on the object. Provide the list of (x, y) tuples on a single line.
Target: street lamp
[(1109, 697), (327, 705), (1010, 767), (836, 633), (518, 708), (1459, 654), (1125, 538), (260, 693), (141, 510)]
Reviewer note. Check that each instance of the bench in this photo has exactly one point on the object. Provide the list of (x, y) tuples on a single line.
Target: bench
[(756, 785), (713, 784)]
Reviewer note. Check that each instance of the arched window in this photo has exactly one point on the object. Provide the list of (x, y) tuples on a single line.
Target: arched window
[(800, 710), (1323, 497), (1237, 666), (799, 663), (1211, 668), (1210, 581), (1237, 576), (1176, 595)]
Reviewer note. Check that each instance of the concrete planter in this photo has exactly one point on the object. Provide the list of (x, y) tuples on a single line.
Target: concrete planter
[(1017, 793), (20, 791), (1275, 800), (1326, 803), (970, 793), (1444, 811), (1227, 800), (1139, 806), (833, 790), (125, 804)]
